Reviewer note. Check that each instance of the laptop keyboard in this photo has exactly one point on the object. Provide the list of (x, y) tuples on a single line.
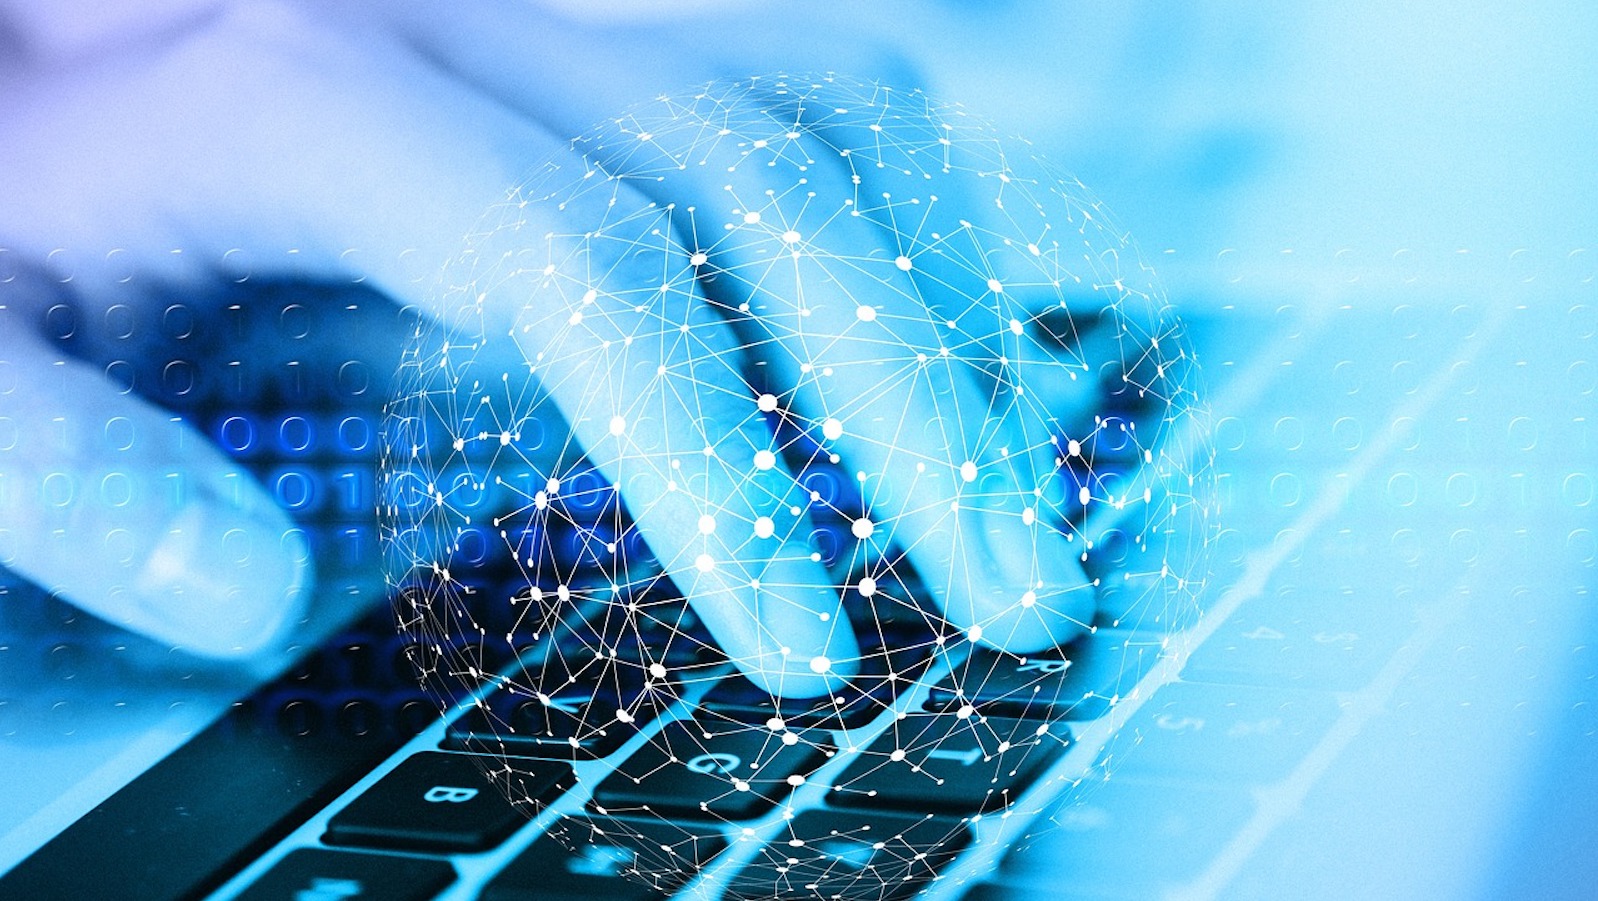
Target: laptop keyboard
[(710, 793), (822, 817)]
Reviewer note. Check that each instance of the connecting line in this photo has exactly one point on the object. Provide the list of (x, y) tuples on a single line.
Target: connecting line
[(1276, 804), (1091, 738)]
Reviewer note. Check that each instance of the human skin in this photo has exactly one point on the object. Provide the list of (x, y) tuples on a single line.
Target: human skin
[(365, 143)]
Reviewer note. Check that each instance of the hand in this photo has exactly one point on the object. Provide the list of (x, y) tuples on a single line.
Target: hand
[(260, 128)]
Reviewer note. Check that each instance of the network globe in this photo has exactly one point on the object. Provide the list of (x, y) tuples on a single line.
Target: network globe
[(754, 458)]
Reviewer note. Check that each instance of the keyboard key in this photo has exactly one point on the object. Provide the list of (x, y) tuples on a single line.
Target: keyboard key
[(1223, 733), (1319, 640), (561, 705), (1081, 681), (445, 803), (944, 762), (622, 860), (1125, 838), (728, 775), (850, 854), (317, 874)]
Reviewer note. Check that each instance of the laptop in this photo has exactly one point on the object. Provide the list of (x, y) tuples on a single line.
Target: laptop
[(1386, 695)]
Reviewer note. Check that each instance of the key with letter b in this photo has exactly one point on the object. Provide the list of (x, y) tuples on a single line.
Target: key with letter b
[(444, 802)]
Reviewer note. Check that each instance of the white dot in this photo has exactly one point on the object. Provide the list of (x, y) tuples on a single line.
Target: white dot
[(552, 486), (898, 754), (994, 286), (705, 563), (832, 428), (796, 780), (764, 527), (790, 237), (865, 313), (867, 586), (1073, 448), (699, 259), (968, 471), (751, 218), (1029, 599), (618, 425), (903, 263), (765, 459), (820, 664), (1029, 516), (657, 670), (1084, 496), (861, 528), (767, 403), (975, 633), (707, 524), (1015, 326)]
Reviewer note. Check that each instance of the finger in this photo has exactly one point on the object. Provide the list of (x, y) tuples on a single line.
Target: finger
[(1094, 348), (133, 516), (609, 319), (876, 369), (331, 175)]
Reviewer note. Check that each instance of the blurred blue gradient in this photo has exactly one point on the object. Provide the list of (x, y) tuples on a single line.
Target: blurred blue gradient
[(1313, 157)]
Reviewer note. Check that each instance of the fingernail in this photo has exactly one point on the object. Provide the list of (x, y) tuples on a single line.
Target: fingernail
[(816, 659), (222, 582)]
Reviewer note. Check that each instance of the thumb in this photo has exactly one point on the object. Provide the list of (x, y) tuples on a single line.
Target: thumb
[(130, 514)]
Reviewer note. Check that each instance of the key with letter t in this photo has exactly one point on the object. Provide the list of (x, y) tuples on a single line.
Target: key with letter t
[(958, 764)]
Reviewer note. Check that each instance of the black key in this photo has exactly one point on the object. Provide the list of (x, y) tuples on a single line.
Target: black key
[(314, 873), (445, 803), (225, 797), (565, 705), (1081, 681), (851, 854), (730, 775), (575, 722), (944, 762), (622, 860)]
